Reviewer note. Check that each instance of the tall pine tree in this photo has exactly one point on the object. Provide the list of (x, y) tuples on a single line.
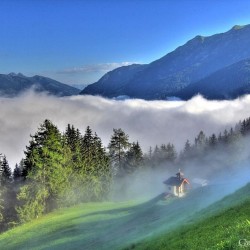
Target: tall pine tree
[(118, 146), (46, 173), (134, 158), (5, 177)]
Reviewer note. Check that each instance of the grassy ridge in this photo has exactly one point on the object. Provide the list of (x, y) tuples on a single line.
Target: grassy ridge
[(119, 225), (220, 226), (68, 227)]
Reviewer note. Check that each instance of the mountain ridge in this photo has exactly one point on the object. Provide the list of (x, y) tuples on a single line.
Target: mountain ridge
[(229, 82), (196, 59), (13, 84)]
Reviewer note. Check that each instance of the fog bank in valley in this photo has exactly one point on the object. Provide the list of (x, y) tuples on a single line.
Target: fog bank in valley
[(149, 122)]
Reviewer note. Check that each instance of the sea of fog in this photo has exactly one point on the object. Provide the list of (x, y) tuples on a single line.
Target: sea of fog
[(149, 122)]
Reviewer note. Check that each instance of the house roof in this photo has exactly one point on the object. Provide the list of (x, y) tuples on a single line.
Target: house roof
[(175, 181)]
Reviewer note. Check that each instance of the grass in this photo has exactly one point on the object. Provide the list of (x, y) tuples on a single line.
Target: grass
[(152, 224), (220, 226), (222, 231), (61, 228)]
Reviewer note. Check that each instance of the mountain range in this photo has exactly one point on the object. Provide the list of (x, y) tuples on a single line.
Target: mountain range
[(216, 66), (13, 84)]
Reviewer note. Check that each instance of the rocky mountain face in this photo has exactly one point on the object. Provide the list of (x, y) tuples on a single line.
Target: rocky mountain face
[(196, 62), (13, 84), (114, 82), (227, 83)]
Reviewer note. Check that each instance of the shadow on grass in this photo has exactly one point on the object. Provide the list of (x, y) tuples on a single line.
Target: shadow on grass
[(126, 226)]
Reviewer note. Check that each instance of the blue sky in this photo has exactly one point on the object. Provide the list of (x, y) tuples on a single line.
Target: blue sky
[(76, 42)]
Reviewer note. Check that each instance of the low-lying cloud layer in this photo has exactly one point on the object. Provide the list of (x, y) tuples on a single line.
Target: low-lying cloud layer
[(149, 122)]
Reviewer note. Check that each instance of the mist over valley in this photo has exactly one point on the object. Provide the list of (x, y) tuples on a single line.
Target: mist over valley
[(128, 126)]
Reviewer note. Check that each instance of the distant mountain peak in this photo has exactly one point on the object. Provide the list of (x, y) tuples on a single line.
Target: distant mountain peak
[(16, 74), (238, 27), (20, 75), (195, 60), (13, 84), (200, 38)]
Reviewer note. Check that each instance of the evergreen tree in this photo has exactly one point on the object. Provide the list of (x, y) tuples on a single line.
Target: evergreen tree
[(187, 151), (88, 144), (5, 177), (70, 137), (248, 125), (118, 146), (220, 138), (166, 153), (225, 137), (17, 173), (163, 154), (156, 156), (73, 140), (200, 141), (8, 196), (91, 176), (187, 147), (148, 158), (9, 203), (243, 128), (171, 153), (150, 153), (231, 136), (1, 210), (46, 172), (212, 140), (102, 174), (1, 195), (28, 162), (1, 161), (134, 158)]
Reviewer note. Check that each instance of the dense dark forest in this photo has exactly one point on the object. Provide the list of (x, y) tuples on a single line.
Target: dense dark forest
[(61, 170)]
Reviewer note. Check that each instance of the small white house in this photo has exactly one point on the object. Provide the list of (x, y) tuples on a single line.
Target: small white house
[(176, 186)]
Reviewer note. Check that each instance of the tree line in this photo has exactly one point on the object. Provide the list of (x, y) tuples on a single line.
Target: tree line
[(64, 169), (61, 170)]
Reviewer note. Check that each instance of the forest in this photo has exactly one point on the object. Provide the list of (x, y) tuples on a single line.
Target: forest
[(64, 169)]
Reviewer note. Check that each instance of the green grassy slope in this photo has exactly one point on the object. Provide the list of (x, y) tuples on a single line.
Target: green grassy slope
[(118, 225), (220, 226)]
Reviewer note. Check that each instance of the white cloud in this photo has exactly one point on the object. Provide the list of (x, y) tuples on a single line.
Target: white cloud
[(93, 68), (150, 122)]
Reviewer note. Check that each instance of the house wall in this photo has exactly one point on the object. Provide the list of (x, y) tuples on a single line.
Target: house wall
[(171, 189), (176, 191), (181, 190)]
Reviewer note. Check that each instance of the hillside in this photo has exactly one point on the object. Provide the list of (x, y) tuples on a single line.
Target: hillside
[(118, 225), (221, 226), (197, 59), (112, 84), (227, 83), (14, 84)]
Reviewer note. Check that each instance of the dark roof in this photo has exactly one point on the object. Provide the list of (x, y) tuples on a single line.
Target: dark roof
[(175, 181)]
